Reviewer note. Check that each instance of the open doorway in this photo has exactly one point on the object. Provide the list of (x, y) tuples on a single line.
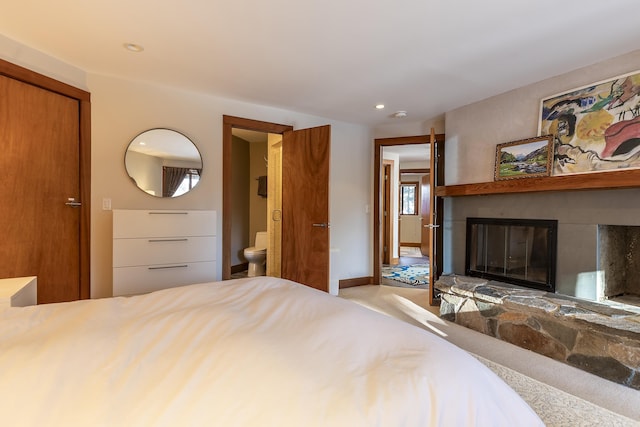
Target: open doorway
[(249, 194), (297, 228), (241, 218), (405, 208), (407, 217)]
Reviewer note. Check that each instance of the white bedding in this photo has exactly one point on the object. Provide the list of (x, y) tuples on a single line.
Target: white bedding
[(249, 352)]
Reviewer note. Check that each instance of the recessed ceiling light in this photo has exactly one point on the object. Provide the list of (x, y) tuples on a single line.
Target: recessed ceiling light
[(400, 114), (132, 47), (379, 106)]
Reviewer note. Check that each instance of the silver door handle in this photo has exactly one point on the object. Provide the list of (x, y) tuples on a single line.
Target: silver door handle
[(71, 201), (321, 224), (431, 226)]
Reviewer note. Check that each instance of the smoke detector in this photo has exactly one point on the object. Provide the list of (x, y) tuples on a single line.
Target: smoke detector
[(399, 115)]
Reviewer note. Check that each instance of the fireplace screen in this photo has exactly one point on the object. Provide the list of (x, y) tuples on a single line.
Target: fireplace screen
[(517, 251)]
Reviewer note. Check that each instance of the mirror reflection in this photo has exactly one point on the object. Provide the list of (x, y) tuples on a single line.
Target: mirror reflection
[(163, 163)]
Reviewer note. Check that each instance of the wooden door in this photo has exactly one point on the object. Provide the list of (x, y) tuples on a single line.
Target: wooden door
[(305, 206), (40, 170), (387, 240), (432, 225), (425, 214)]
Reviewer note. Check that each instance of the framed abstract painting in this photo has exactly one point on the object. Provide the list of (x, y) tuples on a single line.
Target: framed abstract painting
[(594, 127)]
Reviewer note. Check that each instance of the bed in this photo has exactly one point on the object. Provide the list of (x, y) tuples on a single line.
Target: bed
[(248, 352)]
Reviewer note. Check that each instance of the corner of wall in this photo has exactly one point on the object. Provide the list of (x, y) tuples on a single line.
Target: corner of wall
[(39, 62)]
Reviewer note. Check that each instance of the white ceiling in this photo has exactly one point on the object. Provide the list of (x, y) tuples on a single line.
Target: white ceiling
[(409, 152), (332, 58)]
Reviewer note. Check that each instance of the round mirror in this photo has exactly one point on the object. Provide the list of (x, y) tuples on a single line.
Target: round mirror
[(163, 163)]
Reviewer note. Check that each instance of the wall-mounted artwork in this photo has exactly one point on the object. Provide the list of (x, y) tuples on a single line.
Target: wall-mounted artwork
[(595, 127), (525, 158)]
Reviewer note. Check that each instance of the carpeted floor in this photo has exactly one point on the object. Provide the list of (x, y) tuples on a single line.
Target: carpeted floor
[(561, 395), (555, 407)]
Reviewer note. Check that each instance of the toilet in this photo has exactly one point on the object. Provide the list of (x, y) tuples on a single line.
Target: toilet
[(257, 255)]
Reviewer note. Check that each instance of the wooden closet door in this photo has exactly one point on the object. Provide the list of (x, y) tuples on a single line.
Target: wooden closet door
[(40, 170)]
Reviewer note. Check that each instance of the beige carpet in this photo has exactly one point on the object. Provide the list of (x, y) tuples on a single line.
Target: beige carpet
[(560, 394)]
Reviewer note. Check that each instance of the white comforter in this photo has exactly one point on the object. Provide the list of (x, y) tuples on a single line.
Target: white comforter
[(250, 352)]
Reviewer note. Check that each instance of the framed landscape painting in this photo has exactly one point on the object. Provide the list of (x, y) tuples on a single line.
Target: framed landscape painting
[(525, 158), (595, 127)]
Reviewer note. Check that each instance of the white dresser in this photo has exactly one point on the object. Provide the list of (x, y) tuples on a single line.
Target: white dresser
[(159, 249), (18, 292)]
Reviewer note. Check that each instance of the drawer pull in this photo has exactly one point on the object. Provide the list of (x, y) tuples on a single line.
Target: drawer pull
[(167, 240), (164, 267), (168, 213)]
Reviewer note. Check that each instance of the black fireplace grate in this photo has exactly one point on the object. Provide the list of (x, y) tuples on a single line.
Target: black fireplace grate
[(517, 251)]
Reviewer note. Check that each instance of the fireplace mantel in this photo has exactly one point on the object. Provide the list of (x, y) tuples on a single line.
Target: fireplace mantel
[(607, 180)]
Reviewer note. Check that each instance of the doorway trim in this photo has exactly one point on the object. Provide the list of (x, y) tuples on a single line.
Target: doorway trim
[(228, 124), (379, 144)]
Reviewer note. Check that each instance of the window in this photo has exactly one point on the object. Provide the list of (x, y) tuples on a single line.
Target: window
[(409, 198), (191, 178)]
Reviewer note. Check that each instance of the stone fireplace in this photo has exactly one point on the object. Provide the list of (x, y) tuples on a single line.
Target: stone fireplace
[(590, 322)]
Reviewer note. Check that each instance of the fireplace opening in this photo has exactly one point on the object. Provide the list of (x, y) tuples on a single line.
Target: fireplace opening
[(619, 263), (517, 251)]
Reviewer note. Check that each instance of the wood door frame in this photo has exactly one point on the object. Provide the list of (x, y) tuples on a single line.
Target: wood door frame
[(25, 75), (387, 233), (425, 209), (228, 124), (379, 144)]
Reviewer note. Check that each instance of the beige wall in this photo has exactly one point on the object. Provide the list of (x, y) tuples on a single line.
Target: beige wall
[(258, 204), (143, 169), (240, 210)]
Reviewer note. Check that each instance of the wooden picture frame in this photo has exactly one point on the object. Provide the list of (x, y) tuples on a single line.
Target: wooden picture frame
[(525, 158)]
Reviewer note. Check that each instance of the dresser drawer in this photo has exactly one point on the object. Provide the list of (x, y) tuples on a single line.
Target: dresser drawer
[(143, 279), (163, 250), (164, 223)]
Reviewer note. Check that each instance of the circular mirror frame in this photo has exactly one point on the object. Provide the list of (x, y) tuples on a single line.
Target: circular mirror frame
[(162, 162)]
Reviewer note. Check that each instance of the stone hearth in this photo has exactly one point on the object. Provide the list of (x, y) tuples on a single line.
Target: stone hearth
[(599, 338)]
